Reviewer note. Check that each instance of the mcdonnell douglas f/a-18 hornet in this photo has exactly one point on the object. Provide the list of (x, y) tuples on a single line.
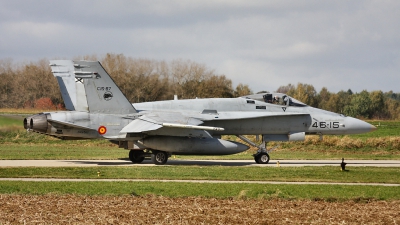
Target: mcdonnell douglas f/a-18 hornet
[(98, 109)]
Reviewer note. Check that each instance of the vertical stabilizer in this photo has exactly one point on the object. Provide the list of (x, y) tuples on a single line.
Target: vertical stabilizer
[(102, 94), (72, 92)]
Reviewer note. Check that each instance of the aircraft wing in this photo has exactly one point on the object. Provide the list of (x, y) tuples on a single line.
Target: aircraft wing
[(156, 120), (186, 122)]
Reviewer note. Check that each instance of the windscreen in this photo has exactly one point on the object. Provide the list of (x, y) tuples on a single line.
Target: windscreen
[(282, 99)]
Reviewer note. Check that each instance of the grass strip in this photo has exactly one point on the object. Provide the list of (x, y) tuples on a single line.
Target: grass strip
[(105, 150), (172, 189), (81, 150), (317, 174)]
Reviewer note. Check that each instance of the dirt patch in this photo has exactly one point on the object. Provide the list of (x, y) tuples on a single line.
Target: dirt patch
[(63, 209)]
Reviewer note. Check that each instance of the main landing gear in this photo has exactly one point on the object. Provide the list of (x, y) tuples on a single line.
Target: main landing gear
[(136, 156), (262, 155), (157, 157)]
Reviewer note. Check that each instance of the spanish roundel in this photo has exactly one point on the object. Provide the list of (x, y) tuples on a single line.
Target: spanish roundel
[(102, 130)]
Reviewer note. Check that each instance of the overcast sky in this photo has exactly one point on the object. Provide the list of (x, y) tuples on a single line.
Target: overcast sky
[(265, 44)]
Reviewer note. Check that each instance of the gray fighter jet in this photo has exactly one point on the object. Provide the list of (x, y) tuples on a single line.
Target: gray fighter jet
[(98, 109)]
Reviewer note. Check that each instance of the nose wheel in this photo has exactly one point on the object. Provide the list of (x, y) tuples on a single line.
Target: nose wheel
[(262, 156)]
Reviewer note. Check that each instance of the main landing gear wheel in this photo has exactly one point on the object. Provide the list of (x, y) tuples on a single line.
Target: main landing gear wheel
[(136, 156), (261, 158), (159, 157)]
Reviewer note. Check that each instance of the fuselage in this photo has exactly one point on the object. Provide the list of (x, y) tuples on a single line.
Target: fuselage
[(238, 116), (252, 117)]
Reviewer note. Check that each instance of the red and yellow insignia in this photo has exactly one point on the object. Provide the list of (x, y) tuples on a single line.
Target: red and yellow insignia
[(102, 130)]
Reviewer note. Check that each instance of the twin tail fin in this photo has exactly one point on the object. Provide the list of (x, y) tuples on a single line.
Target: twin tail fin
[(86, 86)]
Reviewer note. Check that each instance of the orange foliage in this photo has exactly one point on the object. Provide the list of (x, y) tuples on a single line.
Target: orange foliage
[(44, 103), (60, 106), (28, 105)]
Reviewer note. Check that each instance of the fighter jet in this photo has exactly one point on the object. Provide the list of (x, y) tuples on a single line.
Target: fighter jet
[(99, 110)]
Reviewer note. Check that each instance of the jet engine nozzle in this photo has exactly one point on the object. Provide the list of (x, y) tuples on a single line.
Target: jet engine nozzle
[(37, 123), (27, 121)]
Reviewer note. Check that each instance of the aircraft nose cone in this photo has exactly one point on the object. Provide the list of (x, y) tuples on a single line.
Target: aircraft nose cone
[(356, 126)]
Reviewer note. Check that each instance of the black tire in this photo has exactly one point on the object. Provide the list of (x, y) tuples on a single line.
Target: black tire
[(262, 158), (136, 156), (159, 157)]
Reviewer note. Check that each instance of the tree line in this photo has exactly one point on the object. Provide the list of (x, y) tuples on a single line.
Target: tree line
[(141, 80), (366, 105), (32, 85)]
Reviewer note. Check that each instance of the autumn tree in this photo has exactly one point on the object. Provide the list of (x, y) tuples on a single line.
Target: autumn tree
[(333, 104), (191, 80), (7, 86), (305, 93), (377, 107), (392, 109), (286, 89), (33, 85), (342, 100), (323, 98), (360, 105), (242, 90)]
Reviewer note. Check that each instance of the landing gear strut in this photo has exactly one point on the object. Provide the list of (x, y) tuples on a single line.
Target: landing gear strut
[(262, 156)]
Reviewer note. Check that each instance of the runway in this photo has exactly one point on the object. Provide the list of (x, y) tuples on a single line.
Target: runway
[(174, 162)]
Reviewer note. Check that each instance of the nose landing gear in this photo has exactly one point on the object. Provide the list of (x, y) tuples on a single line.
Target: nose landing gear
[(262, 155), (261, 158)]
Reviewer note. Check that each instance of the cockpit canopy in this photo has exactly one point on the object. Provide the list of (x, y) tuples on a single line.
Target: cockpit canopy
[(276, 98)]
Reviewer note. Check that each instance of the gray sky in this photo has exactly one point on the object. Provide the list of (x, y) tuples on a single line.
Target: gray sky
[(265, 44)]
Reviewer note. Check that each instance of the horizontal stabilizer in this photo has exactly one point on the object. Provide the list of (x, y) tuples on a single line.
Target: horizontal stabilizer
[(68, 124)]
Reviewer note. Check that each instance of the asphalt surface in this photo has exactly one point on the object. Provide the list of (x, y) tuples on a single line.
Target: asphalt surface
[(273, 163)]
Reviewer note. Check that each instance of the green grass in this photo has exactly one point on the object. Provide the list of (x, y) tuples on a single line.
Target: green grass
[(29, 145), (11, 123), (384, 129), (172, 189), (26, 148), (384, 143), (15, 143), (298, 174), (61, 151), (105, 150)]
